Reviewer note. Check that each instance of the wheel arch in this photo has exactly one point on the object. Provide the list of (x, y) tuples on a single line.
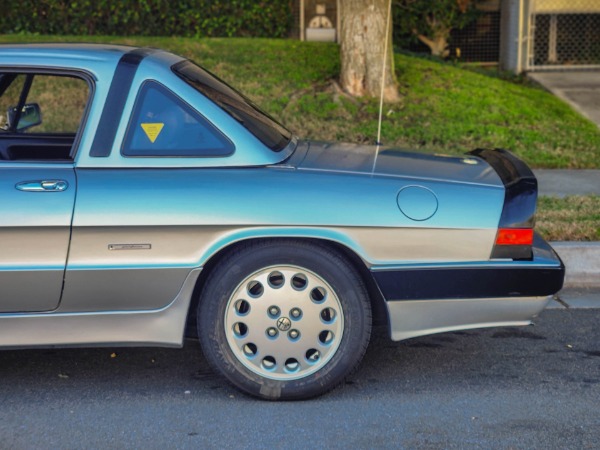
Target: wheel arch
[(379, 310)]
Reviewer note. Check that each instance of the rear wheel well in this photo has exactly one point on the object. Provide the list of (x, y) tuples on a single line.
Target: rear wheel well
[(378, 308)]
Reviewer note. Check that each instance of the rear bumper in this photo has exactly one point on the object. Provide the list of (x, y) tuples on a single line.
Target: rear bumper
[(542, 276), (432, 298), (421, 317)]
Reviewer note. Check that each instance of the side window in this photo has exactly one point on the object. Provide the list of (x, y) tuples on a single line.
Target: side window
[(62, 101), (164, 125), (40, 115), (12, 85)]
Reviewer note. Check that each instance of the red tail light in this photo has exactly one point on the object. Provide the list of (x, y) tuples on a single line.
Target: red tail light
[(514, 236)]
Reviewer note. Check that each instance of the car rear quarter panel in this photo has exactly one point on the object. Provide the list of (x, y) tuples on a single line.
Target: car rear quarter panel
[(181, 217)]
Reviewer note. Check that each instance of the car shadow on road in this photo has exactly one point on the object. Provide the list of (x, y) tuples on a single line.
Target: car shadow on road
[(495, 357)]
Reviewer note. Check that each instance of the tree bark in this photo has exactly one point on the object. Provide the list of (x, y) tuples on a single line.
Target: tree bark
[(363, 40)]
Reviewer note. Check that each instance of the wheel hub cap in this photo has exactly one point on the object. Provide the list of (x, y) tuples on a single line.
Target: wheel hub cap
[(284, 322)]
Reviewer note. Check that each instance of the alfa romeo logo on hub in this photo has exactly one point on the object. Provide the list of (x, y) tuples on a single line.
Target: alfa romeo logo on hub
[(284, 324)]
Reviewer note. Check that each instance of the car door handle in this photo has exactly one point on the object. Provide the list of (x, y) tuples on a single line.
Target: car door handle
[(43, 186)]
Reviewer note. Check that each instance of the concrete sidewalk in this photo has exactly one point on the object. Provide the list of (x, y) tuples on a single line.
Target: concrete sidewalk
[(580, 89), (563, 182)]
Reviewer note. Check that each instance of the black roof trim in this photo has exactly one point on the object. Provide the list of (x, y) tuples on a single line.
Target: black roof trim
[(115, 102)]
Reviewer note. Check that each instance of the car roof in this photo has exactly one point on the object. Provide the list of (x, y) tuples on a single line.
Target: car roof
[(100, 63), (95, 58), (67, 50)]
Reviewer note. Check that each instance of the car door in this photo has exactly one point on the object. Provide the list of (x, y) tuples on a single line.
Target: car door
[(37, 185), (36, 204)]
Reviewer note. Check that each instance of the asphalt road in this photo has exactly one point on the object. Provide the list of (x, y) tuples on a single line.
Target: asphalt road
[(507, 388)]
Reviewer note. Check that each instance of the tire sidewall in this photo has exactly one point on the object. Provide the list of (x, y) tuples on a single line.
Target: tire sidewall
[(328, 265)]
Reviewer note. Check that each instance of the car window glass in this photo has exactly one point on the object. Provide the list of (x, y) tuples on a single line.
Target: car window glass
[(10, 97), (164, 125), (40, 115), (62, 101), (260, 124)]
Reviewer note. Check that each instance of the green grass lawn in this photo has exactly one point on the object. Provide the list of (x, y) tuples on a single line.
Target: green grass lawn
[(444, 108), (574, 218)]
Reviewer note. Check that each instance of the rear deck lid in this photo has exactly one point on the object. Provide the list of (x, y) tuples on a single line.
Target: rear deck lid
[(360, 159)]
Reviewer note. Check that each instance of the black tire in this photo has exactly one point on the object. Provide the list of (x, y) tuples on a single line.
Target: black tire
[(348, 315)]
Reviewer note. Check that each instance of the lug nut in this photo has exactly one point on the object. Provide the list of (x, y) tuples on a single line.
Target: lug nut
[(274, 311), (294, 334), (295, 313), (272, 332)]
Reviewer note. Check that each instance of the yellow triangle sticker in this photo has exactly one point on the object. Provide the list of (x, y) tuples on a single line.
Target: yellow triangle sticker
[(152, 130)]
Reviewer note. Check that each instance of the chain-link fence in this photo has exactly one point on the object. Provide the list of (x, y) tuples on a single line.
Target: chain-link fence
[(479, 41), (564, 34), (520, 34)]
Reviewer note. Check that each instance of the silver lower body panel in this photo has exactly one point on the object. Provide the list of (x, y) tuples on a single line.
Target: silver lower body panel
[(412, 318), (159, 327)]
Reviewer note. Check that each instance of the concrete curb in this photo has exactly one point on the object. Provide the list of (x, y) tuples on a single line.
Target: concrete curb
[(576, 298), (582, 262), (582, 280)]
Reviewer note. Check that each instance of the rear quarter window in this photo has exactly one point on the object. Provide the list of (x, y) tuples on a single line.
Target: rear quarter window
[(162, 124), (266, 129)]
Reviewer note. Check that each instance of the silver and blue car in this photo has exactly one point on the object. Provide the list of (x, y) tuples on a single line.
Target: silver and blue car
[(145, 196)]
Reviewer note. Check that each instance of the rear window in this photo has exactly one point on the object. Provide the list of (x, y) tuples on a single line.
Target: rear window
[(260, 124)]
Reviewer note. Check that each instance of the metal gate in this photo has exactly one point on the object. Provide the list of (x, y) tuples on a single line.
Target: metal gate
[(564, 34)]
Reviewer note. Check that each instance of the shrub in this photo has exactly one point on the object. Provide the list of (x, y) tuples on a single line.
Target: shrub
[(187, 18)]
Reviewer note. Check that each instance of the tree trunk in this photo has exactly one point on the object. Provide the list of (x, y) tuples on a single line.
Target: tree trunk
[(362, 46)]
